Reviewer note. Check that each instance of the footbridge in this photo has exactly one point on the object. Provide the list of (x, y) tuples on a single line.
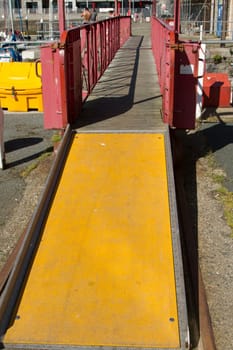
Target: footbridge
[(101, 264)]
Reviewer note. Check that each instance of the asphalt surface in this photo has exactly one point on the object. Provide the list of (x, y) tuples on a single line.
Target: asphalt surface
[(219, 138), (25, 140)]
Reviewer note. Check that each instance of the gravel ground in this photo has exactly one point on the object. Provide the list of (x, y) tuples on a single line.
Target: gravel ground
[(26, 140), (216, 258)]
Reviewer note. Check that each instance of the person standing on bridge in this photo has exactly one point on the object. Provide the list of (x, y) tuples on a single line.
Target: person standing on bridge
[(93, 15), (111, 13), (86, 15), (11, 36)]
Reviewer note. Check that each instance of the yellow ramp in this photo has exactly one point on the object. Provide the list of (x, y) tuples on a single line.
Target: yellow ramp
[(104, 272)]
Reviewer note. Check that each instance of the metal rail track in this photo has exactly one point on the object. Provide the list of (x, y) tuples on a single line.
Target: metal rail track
[(202, 336)]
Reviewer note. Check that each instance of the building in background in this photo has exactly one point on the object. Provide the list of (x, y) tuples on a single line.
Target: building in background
[(215, 16), (42, 7)]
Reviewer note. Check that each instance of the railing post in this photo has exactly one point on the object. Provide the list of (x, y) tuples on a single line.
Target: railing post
[(54, 87), (61, 12)]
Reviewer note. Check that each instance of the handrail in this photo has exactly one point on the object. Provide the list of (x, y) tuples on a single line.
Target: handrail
[(162, 37), (72, 67), (177, 63)]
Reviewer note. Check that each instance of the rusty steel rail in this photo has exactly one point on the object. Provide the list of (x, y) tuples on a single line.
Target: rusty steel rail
[(201, 331)]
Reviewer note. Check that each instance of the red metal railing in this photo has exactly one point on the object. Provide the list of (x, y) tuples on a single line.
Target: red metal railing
[(163, 38), (72, 67), (177, 67)]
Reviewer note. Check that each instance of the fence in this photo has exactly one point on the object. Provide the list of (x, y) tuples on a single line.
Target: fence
[(206, 30), (177, 65), (72, 67)]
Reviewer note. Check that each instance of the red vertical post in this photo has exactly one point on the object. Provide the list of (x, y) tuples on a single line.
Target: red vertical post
[(54, 88), (116, 7), (177, 16), (129, 10), (61, 13)]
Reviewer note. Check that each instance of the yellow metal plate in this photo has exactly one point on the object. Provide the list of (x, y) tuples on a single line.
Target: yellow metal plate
[(104, 272)]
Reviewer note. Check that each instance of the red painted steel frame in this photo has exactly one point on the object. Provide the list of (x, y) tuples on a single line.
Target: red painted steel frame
[(185, 85), (53, 83), (72, 67), (61, 11), (162, 38), (177, 67)]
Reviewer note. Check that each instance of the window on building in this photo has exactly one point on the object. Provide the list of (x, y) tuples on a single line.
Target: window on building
[(32, 6)]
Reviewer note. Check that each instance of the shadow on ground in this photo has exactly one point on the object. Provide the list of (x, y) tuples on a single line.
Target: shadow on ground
[(187, 149)]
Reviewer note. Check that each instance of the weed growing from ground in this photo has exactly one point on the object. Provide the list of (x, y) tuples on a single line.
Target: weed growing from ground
[(221, 193)]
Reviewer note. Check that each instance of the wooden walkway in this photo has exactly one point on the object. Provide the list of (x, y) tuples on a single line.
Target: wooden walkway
[(127, 97)]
